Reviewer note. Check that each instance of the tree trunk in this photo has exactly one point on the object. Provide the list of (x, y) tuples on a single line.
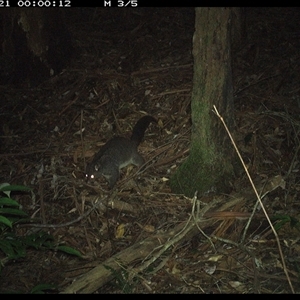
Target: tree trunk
[(210, 163), (35, 45)]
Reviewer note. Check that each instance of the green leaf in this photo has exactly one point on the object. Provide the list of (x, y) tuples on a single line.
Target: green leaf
[(38, 240), (8, 202), (2, 185), (45, 239), (12, 246), (12, 211), (281, 221), (69, 250), (5, 221), (17, 246), (6, 248), (15, 188), (40, 288)]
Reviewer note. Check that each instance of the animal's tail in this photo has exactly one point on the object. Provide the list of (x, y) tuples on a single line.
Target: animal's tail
[(140, 127)]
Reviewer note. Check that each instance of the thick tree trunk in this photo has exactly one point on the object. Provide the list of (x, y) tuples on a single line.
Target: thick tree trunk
[(35, 45), (210, 163)]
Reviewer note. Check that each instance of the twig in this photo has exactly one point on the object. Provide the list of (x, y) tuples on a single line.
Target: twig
[(160, 69), (190, 223), (152, 162), (254, 83), (81, 137), (41, 194), (70, 104), (96, 204), (198, 217), (258, 197)]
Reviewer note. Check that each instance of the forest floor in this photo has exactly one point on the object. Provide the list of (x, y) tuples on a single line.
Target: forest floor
[(136, 62)]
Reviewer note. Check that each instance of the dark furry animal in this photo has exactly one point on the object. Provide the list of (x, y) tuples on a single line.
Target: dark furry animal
[(118, 153)]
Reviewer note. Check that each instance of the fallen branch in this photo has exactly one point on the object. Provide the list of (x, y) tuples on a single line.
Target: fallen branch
[(147, 251)]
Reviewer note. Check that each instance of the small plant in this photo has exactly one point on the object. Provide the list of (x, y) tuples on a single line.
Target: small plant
[(122, 280), (14, 246), (280, 220), (10, 211)]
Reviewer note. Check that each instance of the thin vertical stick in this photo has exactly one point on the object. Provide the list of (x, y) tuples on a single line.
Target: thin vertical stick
[(258, 197)]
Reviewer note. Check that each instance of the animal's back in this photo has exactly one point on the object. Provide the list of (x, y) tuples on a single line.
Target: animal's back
[(118, 153)]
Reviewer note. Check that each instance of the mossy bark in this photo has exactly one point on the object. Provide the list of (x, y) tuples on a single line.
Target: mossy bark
[(210, 163)]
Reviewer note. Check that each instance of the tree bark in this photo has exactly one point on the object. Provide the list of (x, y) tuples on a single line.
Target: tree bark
[(35, 45), (210, 163)]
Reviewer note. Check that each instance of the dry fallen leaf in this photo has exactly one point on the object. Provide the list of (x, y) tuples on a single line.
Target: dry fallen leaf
[(120, 231)]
